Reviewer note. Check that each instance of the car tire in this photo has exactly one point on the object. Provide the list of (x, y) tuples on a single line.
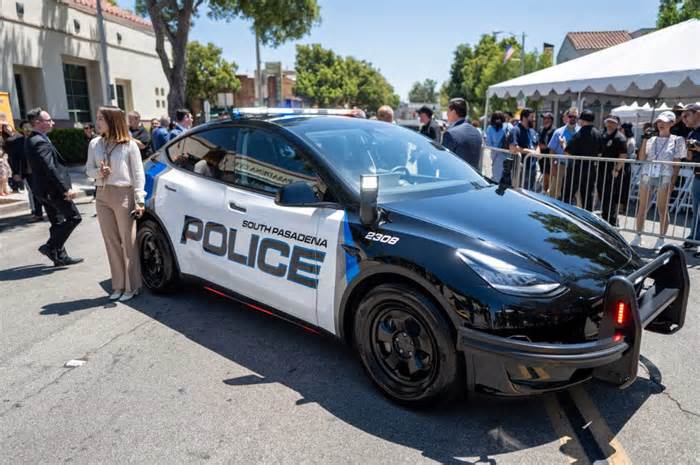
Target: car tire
[(158, 268), (406, 346)]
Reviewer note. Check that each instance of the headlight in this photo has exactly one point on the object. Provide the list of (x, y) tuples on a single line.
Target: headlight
[(505, 276)]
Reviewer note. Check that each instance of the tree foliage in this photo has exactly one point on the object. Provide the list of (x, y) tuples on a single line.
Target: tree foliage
[(474, 69), (274, 21), (326, 79), (675, 11), (423, 92), (207, 73)]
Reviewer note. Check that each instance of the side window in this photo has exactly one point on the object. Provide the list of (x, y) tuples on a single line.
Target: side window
[(209, 153), (266, 162)]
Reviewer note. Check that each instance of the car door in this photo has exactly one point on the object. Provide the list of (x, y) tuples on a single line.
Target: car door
[(192, 203), (280, 246)]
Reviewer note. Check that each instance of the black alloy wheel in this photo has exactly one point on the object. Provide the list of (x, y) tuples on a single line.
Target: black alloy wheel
[(158, 269), (406, 345)]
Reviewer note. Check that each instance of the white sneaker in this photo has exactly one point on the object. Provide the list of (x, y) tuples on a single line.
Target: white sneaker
[(128, 296), (637, 241), (115, 295), (660, 242)]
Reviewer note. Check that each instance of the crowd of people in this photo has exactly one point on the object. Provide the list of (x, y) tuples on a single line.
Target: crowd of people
[(550, 160)]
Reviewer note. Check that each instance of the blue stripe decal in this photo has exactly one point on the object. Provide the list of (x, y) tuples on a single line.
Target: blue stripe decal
[(152, 173), (352, 266)]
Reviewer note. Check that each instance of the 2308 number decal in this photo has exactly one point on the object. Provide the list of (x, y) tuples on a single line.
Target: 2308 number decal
[(383, 238)]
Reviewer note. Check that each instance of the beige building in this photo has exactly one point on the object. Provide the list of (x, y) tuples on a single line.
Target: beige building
[(50, 58)]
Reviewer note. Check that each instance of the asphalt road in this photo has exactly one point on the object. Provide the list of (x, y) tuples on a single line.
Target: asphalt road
[(195, 378)]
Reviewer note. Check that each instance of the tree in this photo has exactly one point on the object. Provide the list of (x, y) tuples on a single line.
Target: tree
[(207, 73), (675, 11), (274, 21), (475, 69), (423, 92), (326, 79)]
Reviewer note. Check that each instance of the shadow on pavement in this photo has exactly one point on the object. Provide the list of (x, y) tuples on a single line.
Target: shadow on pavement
[(326, 372), (65, 308), (28, 272), (19, 222)]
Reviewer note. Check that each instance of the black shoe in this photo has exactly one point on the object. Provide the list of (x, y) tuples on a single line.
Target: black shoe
[(689, 245), (65, 261), (50, 253)]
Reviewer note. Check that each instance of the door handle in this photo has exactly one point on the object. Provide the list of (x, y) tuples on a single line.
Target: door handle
[(234, 206), (170, 188)]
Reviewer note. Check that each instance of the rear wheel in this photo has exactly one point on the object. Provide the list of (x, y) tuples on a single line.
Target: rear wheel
[(406, 345), (158, 268)]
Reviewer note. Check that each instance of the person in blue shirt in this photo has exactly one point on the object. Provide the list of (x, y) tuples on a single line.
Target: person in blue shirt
[(557, 144), (183, 121), (159, 135), (495, 137), (523, 137)]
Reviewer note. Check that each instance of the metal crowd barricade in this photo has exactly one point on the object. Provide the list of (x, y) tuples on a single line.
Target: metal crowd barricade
[(590, 183)]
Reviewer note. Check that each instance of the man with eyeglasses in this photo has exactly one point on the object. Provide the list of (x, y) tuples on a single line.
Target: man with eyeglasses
[(557, 144), (51, 183)]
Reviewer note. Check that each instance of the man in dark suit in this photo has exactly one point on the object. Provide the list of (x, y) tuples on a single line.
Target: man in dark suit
[(51, 183), (461, 137)]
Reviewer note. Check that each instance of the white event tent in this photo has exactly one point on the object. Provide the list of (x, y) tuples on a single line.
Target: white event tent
[(660, 66)]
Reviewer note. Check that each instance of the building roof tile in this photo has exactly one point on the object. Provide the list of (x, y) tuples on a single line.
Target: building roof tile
[(597, 40), (111, 10)]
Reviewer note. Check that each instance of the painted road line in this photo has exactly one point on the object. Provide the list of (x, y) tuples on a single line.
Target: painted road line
[(615, 453), (569, 444)]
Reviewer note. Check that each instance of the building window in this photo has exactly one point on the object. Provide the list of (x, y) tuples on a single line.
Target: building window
[(19, 7), (20, 96), (119, 38), (157, 103), (76, 26), (121, 101), (75, 77), (156, 91), (162, 92)]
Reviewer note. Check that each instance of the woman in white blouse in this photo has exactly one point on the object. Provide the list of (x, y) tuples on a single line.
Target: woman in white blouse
[(114, 161), (658, 177)]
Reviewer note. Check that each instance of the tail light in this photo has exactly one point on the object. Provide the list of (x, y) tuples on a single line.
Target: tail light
[(621, 313)]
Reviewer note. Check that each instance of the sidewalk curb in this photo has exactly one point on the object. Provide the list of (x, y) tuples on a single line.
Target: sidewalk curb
[(12, 209)]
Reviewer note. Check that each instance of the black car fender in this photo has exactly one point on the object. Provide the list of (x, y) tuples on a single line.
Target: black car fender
[(377, 272)]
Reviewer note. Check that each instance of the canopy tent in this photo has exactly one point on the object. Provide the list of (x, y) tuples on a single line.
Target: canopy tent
[(636, 112), (662, 65)]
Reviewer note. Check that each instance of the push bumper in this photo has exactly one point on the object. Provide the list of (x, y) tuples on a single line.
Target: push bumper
[(516, 367)]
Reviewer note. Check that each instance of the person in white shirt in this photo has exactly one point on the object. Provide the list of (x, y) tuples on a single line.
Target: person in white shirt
[(657, 176), (114, 161)]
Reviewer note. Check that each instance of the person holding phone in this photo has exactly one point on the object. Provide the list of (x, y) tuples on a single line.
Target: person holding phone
[(114, 161)]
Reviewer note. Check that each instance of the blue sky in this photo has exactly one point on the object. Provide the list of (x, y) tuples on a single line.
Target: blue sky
[(412, 40)]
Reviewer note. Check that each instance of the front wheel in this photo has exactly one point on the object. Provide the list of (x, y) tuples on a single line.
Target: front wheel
[(158, 267), (406, 345)]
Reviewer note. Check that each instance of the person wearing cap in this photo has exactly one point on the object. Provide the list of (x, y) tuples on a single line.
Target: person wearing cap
[(523, 140), (544, 138), (657, 177), (557, 143), (428, 126), (691, 118), (610, 174), (680, 128), (580, 174)]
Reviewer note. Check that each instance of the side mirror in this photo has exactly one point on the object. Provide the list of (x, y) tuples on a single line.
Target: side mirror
[(369, 190), (296, 194)]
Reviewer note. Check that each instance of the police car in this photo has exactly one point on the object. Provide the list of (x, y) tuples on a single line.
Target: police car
[(442, 280)]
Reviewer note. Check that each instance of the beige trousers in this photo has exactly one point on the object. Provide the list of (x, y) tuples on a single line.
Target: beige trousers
[(119, 233)]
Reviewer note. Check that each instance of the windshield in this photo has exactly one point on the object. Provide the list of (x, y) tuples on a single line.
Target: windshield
[(405, 161)]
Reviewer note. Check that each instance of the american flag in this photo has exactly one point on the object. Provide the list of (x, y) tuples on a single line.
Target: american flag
[(509, 53)]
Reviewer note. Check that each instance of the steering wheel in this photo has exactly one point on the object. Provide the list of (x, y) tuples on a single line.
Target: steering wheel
[(399, 168)]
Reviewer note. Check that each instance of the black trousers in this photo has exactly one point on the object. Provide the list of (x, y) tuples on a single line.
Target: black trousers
[(581, 179), (64, 217), (609, 191)]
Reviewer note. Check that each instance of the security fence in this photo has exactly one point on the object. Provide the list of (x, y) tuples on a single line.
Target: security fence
[(653, 198)]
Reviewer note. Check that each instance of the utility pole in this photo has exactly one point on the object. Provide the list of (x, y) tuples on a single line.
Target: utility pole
[(107, 97), (258, 71)]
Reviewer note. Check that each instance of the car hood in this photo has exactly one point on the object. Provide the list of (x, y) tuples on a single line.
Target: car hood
[(526, 227)]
